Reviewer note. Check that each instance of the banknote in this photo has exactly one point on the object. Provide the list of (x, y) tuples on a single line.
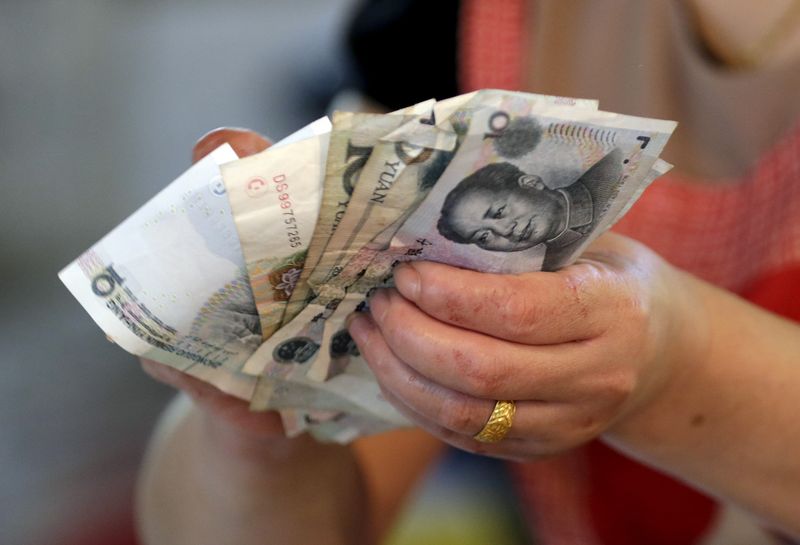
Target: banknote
[(352, 139), (531, 186), (275, 198), (394, 179), (343, 428), (289, 348), (170, 283), (330, 426)]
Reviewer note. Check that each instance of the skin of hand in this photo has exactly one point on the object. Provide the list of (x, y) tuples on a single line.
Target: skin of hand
[(579, 350)]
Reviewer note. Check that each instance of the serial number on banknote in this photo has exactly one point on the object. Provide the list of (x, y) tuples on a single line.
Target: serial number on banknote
[(290, 220)]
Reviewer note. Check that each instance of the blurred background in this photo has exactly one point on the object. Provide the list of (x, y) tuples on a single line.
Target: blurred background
[(100, 103)]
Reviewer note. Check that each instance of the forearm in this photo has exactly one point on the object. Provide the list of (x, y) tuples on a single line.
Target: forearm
[(727, 419), (202, 485)]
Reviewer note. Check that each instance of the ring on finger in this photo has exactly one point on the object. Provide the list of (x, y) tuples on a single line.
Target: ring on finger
[(499, 423)]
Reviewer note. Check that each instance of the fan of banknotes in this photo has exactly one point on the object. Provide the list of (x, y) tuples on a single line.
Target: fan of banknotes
[(242, 272)]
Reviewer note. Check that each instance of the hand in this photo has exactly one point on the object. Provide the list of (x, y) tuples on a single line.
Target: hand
[(232, 415), (580, 350)]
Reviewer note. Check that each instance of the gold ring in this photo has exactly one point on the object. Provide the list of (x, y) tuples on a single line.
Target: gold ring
[(498, 424)]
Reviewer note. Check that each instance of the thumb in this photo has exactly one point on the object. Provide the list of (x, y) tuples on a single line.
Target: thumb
[(243, 141)]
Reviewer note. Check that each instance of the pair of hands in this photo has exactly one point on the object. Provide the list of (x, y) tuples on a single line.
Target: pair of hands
[(580, 350)]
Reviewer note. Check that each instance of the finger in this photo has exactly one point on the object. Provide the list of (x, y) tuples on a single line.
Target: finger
[(435, 405), (230, 408), (377, 353), (508, 449), (478, 365), (181, 381), (513, 446), (534, 308), (244, 142), (453, 410)]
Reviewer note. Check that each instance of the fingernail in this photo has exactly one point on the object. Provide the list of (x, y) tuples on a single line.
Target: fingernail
[(379, 304), (357, 326), (353, 316), (406, 280)]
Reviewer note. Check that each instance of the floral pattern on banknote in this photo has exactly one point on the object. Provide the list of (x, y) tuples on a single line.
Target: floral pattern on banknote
[(284, 277)]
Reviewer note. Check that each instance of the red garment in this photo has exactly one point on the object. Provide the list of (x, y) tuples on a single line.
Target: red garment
[(743, 235)]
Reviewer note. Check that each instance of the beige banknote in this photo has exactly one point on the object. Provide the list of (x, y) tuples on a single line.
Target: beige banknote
[(352, 139), (275, 198)]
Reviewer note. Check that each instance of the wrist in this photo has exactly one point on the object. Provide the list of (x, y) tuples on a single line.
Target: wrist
[(679, 358)]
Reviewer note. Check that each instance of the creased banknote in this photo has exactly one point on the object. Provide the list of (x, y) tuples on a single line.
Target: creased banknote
[(532, 186), (352, 139), (403, 166), (275, 197), (169, 283)]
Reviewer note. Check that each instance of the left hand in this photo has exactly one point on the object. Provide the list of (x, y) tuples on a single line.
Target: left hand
[(579, 350)]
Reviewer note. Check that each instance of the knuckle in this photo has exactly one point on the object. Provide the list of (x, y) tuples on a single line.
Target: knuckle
[(616, 388), (633, 306), (574, 432), (399, 327), (578, 291), (456, 415), (519, 313), (474, 380), (444, 297), (588, 427), (480, 379)]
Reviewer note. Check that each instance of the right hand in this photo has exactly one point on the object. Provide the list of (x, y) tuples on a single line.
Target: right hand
[(230, 415)]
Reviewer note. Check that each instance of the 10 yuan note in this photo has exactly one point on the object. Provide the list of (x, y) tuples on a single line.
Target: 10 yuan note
[(531, 186)]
